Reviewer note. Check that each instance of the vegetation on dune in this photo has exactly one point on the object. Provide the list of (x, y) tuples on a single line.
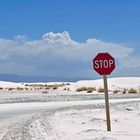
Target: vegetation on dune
[(124, 91), (131, 90), (66, 89), (44, 92), (115, 91), (100, 89), (87, 89)]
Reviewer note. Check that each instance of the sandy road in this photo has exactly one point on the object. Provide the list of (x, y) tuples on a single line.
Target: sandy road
[(18, 109)]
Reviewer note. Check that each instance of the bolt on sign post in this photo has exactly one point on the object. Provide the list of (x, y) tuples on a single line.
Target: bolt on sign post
[(104, 64)]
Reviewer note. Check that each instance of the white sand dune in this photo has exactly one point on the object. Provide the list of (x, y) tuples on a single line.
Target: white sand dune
[(113, 83), (122, 82), (4, 84)]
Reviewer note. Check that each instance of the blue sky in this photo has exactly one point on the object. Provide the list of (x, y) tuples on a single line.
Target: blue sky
[(107, 21), (110, 20)]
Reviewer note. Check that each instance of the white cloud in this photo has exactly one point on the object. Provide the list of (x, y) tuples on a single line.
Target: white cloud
[(56, 54), (53, 38)]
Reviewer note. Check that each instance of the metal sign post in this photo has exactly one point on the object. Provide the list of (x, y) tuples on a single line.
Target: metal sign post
[(107, 103)]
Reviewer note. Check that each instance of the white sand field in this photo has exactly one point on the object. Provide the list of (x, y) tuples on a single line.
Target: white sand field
[(70, 115), (86, 122)]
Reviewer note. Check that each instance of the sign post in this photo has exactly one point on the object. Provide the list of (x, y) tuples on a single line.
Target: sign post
[(107, 103), (104, 64)]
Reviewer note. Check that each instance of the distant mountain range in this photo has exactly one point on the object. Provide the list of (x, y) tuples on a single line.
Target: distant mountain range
[(25, 78)]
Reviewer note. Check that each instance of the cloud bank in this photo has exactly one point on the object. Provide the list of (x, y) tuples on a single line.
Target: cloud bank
[(56, 54)]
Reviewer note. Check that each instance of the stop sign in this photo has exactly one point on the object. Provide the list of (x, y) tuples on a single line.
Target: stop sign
[(104, 63)]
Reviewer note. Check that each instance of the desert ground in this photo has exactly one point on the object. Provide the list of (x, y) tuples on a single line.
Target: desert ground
[(70, 111)]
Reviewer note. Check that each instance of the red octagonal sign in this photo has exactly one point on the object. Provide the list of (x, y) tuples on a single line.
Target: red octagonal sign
[(104, 63)]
